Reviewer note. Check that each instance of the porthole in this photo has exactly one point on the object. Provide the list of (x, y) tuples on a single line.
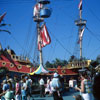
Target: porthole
[(11, 65), (63, 71), (19, 67), (3, 63)]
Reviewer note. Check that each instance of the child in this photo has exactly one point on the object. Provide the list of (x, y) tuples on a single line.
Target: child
[(23, 92)]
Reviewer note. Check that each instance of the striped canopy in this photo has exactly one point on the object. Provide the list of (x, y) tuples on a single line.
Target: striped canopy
[(40, 70)]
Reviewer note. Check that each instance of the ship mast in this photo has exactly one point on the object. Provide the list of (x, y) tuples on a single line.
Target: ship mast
[(40, 13), (81, 23)]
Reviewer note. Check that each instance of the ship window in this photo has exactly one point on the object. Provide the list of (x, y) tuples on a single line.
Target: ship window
[(3, 63), (63, 71), (13, 57), (72, 65), (11, 65), (17, 57), (19, 67)]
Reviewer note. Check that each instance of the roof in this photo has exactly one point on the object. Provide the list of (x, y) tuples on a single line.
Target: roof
[(40, 70)]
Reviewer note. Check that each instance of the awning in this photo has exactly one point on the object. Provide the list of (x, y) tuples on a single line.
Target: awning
[(40, 70)]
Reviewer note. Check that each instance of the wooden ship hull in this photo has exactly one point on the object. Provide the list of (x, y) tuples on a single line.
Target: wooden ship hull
[(72, 68), (13, 63), (76, 66), (62, 71)]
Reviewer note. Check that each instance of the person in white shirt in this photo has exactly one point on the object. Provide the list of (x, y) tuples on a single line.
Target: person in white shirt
[(57, 88), (72, 84), (42, 88)]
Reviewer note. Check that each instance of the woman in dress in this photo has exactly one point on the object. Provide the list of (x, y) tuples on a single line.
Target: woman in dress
[(86, 87)]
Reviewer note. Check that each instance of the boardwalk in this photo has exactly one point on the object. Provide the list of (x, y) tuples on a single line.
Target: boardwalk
[(66, 96)]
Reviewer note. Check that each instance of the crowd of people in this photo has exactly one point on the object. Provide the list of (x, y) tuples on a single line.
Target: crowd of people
[(21, 88), (17, 88), (53, 87)]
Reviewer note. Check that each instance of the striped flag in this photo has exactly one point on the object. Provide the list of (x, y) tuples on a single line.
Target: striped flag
[(82, 31), (80, 5), (2, 16), (81, 35), (37, 7), (45, 38)]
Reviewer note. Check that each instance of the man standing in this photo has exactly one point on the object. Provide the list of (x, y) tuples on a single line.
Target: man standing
[(42, 88), (56, 84)]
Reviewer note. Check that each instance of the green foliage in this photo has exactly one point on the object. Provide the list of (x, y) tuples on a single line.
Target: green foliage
[(55, 63)]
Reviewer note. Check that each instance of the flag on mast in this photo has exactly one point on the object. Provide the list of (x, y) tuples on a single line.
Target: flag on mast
[(37, 7), (2, 16), (45, 38), (80, 5), (81, 35)]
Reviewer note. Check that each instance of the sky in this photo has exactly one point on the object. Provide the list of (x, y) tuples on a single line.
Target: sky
[(60, 25)]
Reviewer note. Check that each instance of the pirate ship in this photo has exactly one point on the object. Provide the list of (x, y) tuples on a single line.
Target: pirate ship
[(81, 63), (9, 61), (12, 62), (76, 65), (41, 11)]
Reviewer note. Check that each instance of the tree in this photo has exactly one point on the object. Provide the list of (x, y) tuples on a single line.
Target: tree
[(98, 59), (64, 62), (48, 64), (55, 63)]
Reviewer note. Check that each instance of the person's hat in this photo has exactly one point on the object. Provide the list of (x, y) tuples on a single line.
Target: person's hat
[(55, 75), (11, 80), (4, 81)]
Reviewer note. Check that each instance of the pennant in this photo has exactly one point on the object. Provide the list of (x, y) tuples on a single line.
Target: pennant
[(82, 31), (44, 37), (81, 35), (2, 16), (37, 7), (80, 5)]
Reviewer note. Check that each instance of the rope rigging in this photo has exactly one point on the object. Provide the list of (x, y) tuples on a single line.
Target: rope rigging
[(61, 44), (30, 41), (97, 38), (92, 12), (28, 37)]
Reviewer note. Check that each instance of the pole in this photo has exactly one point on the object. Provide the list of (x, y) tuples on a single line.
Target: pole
[(81, 25), (40, 51), (80, 43), (80, 14)]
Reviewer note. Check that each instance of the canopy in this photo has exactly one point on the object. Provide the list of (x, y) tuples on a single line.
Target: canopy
[(40, 70)]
